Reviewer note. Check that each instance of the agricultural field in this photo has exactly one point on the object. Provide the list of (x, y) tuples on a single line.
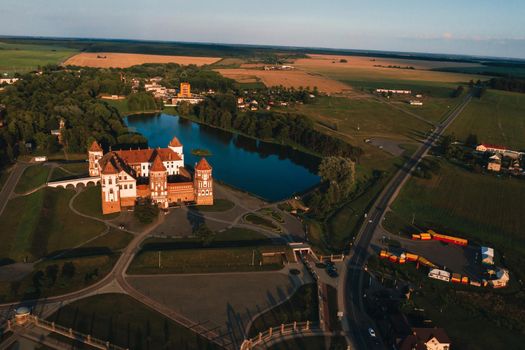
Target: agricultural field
[(128, 323), (484, 208), (124, 60), (498, 118), (286, 78), (36, 225), (22, 58)]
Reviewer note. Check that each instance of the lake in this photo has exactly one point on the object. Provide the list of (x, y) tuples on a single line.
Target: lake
[(273, 172)]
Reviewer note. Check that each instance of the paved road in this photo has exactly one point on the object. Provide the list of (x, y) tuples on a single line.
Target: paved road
[(356, 322)]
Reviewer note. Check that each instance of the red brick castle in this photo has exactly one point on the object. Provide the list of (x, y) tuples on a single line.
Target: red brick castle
[(157, 174)]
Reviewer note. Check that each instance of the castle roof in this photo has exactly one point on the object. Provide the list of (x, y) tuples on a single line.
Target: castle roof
[(175, 142), (95, 147), (116, 163), (109, 168), (203, 165), (157, 164), (147, 155)]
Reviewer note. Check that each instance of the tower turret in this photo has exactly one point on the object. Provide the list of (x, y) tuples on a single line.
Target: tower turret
[(158, 180), (94, 154), (203, 183), (110, 188)]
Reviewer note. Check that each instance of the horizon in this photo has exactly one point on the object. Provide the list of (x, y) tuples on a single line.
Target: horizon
[(452, 28)]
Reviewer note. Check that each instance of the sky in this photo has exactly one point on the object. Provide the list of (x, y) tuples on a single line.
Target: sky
[(480, 27)]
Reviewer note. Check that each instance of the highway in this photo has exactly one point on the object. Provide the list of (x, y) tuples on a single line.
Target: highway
[(355, 320)]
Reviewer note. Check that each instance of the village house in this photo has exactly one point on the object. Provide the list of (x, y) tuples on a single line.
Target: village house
[(156, 174), (392, 91), (426, 339)]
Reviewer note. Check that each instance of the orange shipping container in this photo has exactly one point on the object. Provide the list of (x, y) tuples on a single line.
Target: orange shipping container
[(456, 278), (383, 254), (415, 236), (464, 280), (392, 258), (402, 260), (426, 237), (411, 257)]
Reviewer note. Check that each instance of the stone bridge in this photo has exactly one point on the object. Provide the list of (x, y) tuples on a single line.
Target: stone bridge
[(74, 183)]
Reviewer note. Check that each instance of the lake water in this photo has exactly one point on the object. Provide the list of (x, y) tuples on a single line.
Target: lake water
[(270, 171)]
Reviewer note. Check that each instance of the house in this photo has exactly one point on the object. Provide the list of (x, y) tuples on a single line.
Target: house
[(485, 147), (487, 256), (416, 103), (441, 275), (499, 277), (159, 175), (392, 91), (494, 163), (8, 81), (426, 339)]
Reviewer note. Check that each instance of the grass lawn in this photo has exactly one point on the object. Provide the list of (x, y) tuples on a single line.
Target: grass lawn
[(219, 204), (260, 221), (115, 240), (302, 306), (23, 58), (312, 343), (498, 118), (69, 170), (128, 323), (88, 202), (479, 207), (41, 223), (230, 250), (33, 177)]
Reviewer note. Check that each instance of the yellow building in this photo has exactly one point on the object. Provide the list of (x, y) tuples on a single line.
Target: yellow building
[(185, 90)]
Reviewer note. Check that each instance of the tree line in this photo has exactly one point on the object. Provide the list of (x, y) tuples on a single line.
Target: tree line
[(285, 128)]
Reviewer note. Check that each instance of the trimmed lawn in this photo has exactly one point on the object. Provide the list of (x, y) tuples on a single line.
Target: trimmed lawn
[(219, 204), (41, 223), (88, 202), (115, 240), (302, 306), (33, 177), (128, 323), (497, 118), (260, 221)]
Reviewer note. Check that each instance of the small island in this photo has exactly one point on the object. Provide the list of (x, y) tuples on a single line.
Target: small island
[(201, 152)]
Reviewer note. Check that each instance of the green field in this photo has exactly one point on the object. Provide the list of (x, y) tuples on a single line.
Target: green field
[(498, 118), (88, 202), (33, 177), (22, 58), (41, 223), (302, 306), (128, 323), (484, 208)]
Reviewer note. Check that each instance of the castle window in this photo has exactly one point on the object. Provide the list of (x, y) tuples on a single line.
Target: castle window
[(207, 192), (110, 182)]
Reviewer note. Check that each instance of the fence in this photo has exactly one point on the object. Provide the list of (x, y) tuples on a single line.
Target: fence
[(67, 332), (296, 328)]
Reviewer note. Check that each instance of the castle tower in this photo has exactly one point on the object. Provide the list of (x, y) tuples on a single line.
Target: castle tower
[(176, 147), (95, 153), (203, 183), (110, 189), (158, 180)]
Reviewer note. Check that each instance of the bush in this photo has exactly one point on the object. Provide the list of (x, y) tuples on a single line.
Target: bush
[(146, 212)]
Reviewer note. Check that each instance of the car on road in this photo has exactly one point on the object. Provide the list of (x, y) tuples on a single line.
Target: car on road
[(371, 332)]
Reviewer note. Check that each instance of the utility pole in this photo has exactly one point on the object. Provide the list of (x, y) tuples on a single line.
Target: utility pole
[(159, 259), (253, 257)]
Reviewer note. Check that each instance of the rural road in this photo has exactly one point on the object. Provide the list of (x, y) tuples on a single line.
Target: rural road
[(350, 294), (9, 186)]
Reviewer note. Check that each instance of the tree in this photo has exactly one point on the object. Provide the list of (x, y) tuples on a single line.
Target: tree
[(52, 273), (471, 140), (68, 269), (205, 234), (339, 173), (146, 212)]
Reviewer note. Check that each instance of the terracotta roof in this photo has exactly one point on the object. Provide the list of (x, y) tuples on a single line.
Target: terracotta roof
[(95, 147), (157, 164), (488, 145), (147, 155), (175, 142), (109, 168), (203, 165)]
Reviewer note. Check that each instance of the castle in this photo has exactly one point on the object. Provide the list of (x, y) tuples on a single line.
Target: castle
[(157, 174)]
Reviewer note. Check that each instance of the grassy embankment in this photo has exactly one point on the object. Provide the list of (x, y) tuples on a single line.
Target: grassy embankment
[(22, 58), (230, 250), (126, 322), (33, 177), (302, 306), (88, 202)]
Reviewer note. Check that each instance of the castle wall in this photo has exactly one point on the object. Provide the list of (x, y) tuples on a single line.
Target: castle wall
[(181, 192)]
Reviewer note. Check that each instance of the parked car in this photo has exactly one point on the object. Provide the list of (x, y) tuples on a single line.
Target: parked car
[(372, 332)]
